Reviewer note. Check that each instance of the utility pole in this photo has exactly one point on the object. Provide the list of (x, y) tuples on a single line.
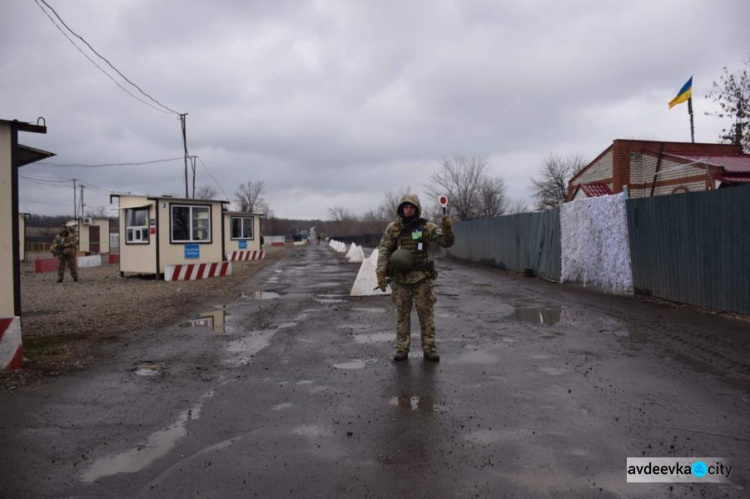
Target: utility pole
[(193, 158), (183, 118), (75, 201), (82, 203)]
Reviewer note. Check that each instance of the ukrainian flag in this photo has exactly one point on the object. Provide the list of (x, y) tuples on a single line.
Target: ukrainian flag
[(685, 93)]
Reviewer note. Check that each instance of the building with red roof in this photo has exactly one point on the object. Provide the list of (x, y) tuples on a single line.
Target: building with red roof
[(653, 168)]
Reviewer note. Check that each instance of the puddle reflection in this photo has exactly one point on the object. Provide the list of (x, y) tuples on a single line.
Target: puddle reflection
[(260, 295), (146, 452), (538, 315), (213, 320), (413, 403), (354, 364), (148, 369)]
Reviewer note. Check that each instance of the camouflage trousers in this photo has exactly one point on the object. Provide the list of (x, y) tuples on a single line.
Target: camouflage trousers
[(70, 261), (405, 297)]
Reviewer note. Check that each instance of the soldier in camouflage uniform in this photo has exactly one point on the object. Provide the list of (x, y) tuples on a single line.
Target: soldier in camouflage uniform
[(64, 248), (415, 287)]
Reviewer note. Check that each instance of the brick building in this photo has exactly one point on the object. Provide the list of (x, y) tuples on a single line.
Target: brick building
[(652, 168)]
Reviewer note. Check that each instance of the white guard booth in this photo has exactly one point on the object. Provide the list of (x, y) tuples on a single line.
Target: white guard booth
[(177, 239), (93, 234), (242, 236), (13, 156)]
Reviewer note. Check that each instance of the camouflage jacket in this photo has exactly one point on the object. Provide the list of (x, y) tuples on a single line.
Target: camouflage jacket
[(64, 245), (414, 236)]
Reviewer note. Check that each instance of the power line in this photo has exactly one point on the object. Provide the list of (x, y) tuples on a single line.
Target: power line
[(44, 180), (97, 188), (96, 65), (105, 59), (43, 202), (102, 165), (217, 182)]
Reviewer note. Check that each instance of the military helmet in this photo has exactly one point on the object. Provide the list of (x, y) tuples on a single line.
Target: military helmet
[(402, 261)]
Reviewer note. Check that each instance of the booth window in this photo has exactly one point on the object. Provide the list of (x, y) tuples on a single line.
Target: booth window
[(191, 224), (242, 227), (136, 226)]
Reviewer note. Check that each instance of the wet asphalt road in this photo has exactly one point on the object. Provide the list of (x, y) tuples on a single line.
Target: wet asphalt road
[(543, 390)]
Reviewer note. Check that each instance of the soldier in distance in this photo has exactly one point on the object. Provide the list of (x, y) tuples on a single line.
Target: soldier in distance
[(64, 248)]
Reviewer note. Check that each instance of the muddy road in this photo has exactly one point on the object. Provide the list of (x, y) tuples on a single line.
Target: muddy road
[(289, 391)]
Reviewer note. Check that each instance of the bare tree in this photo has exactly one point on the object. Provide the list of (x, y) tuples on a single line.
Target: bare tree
[(471, 191), (732, 94), (516, 207), (387, 209), (551, 184), (97, 212), (248, 197), (493, 199), (340, 214), (206, 192)]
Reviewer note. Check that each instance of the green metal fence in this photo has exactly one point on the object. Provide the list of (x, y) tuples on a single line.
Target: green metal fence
[(693, 248), (512, 242)]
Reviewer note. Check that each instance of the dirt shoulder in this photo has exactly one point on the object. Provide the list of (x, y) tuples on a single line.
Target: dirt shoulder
[(64, 324)]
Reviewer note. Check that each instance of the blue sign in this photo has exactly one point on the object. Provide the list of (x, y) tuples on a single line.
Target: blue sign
[(243, 244), (192, 251)]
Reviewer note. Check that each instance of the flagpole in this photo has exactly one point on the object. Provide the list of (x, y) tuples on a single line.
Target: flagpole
[(692, 128)]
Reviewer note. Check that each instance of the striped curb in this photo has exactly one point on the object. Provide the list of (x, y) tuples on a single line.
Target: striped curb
[(246, 255), (11, 347), (194, 271)]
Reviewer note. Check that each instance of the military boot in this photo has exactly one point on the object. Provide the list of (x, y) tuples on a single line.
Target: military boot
[(433, 356), (401, 356)]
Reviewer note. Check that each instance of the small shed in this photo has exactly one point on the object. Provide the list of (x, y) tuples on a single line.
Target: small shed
[(12, 157), (93, 234), (173, 238), (242, 236)]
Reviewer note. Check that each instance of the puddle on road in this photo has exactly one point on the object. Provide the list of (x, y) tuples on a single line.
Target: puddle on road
[(213, 320), (538, 315), (148, 369), (325, 285), (146, 452), (370, 310), (329, 300), (282, 406), (354, 364), (260, 295), (285, 325), (540, 356), (413, 403)]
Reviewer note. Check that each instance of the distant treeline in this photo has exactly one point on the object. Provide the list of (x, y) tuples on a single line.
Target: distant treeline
[(47, 220), (289, 228)]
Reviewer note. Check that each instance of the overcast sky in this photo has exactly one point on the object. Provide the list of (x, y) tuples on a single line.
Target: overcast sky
[(332, 103)]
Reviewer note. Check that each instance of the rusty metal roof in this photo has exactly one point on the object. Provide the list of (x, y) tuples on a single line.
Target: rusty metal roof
[(596, 189), (732, 163)]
